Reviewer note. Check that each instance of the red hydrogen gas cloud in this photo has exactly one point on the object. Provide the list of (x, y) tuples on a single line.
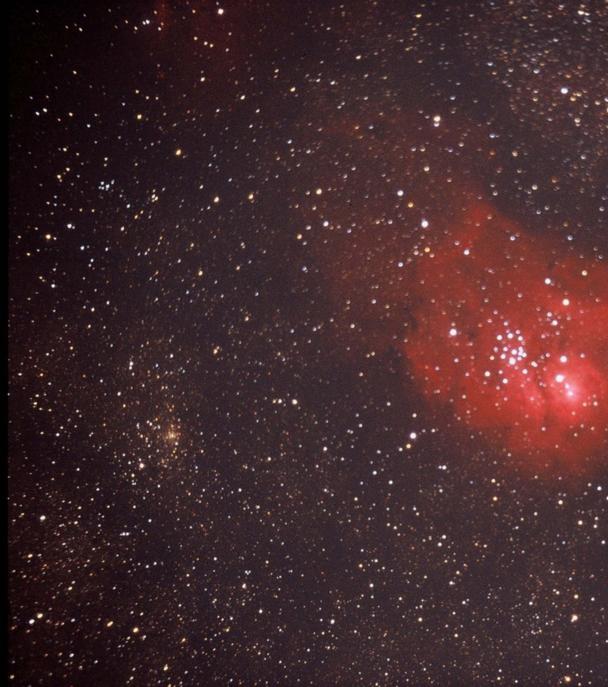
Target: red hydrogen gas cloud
[(512, 334), (504, 328)]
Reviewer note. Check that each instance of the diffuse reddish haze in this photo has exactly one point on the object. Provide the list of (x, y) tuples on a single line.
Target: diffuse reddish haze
[(512, 333), (507, 330)]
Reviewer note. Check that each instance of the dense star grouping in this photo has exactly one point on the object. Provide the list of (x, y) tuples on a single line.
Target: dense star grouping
[(308, 343)]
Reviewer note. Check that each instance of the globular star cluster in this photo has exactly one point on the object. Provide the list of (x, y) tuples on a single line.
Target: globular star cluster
[(308, 343)]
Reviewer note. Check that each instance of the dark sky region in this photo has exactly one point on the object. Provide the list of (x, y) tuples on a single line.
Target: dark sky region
[(308, 343)]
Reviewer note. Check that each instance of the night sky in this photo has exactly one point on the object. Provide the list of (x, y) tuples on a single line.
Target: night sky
[(308, 343)]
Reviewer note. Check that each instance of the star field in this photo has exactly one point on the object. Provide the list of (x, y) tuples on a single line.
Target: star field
[(308, 343)]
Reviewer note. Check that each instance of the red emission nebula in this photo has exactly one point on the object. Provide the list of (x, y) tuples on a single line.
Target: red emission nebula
[(511, 333)]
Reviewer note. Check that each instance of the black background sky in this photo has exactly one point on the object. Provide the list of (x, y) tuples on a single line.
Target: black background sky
[(221, 469)]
